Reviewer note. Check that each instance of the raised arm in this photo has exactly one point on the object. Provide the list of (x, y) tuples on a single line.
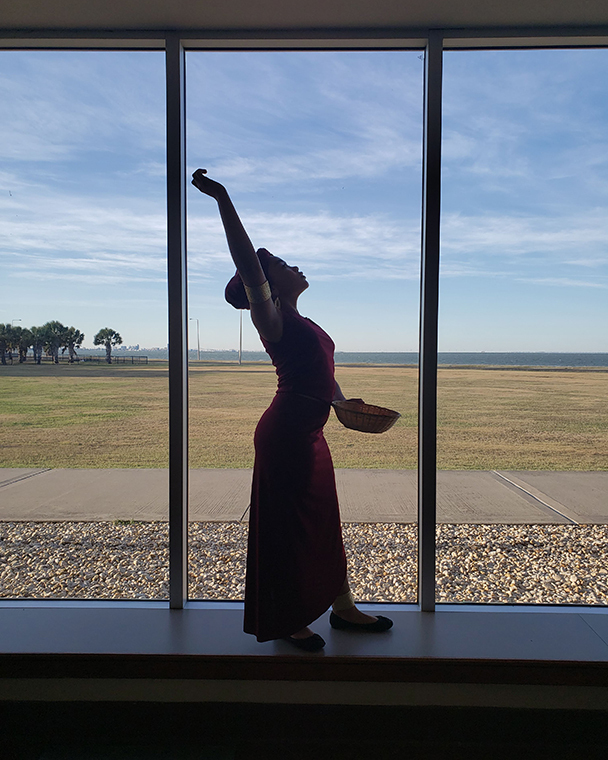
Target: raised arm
[(265, 316)]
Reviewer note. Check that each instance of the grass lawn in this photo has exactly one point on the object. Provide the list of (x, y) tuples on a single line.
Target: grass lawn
[(116, 416)]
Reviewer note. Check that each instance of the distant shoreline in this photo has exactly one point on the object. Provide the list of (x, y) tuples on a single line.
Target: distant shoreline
[(454, 360), (463, 359)]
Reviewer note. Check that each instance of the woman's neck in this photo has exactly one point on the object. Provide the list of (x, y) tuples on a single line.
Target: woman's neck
[(289, 302)]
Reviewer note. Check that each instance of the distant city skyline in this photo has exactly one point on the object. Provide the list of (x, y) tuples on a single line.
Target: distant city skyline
[(322, 154)]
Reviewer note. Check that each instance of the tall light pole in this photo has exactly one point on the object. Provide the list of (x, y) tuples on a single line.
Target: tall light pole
[(240, 335), (198, 338), (15, 320)]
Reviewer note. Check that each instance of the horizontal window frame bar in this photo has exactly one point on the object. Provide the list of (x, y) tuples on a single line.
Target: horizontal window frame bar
[(202, 604), (202, 43), (148, 604), (80, 41), (520, 43), (301, 43), (396, 38)]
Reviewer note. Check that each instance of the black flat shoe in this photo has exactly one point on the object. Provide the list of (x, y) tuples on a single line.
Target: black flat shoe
[(378, 626), (312, 643)]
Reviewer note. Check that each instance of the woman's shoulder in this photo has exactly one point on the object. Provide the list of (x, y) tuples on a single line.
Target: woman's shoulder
[(296, 328), (293, 320)]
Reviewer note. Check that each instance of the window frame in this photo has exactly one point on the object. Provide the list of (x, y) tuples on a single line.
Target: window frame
[(175, 43)]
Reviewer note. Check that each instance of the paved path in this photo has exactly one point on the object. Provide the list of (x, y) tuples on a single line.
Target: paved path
[(365, 495)]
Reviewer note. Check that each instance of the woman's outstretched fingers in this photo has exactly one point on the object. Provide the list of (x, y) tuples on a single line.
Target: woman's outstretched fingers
[(205, 185), (198, 176)]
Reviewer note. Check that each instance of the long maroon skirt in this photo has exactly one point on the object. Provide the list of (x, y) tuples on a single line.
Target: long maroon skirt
[(295, 561)]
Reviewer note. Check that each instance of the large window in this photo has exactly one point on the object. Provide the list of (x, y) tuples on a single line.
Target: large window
[(83, 251), (523, 418), (322, 153)]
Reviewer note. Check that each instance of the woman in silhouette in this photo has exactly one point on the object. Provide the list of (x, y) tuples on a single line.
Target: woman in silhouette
[(296, 566)]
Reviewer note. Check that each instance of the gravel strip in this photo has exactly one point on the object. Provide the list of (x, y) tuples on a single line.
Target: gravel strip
[(547, 564)]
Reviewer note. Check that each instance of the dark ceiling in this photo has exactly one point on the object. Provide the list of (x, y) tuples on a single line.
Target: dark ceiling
[(296, 14)]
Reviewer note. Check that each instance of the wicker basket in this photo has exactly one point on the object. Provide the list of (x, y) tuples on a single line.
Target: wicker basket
[(365, 417)]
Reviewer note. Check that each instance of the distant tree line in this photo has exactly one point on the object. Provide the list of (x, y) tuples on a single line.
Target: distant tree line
[(50, 338)]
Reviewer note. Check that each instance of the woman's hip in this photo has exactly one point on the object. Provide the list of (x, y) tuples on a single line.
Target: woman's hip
[(292, 412)]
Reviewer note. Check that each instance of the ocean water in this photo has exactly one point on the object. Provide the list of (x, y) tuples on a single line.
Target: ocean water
[(487, 358), (524, 359)]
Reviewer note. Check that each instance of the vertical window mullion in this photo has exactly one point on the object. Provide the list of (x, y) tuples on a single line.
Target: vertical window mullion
[(178, 322), (429, 306)]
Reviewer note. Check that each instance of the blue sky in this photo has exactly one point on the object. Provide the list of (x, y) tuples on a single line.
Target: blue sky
[(525, 195), (321, 153)]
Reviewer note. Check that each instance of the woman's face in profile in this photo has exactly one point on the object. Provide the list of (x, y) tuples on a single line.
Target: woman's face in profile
[(284, 278)]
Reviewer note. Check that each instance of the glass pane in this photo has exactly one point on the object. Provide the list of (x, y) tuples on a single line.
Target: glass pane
[(321, 153), (523, 417), (83, 250)]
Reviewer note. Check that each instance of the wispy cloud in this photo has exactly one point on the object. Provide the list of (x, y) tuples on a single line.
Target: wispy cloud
[(556, 237), (565, 282), (521, 121), (46, 234), (60, 104), (322, 155), (344, 119), (85, 239), (362, 158), (327, 245)]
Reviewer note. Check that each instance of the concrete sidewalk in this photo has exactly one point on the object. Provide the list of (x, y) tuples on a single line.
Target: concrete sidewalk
[(365, 495)]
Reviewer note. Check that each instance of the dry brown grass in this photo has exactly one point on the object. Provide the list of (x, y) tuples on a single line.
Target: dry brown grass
[(84, 416), (522, 419), (226, 403), (116, 416)]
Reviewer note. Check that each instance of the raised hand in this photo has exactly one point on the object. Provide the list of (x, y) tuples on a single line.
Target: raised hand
[(208, 186)]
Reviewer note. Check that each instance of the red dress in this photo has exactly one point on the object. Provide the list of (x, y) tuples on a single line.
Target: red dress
[(295, 561)]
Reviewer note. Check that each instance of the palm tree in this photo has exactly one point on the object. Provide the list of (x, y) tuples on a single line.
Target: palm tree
[(23, 341), (54, 338), (38, 341), (13, 339), (6, 340), (72, 338), (108, 338)]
